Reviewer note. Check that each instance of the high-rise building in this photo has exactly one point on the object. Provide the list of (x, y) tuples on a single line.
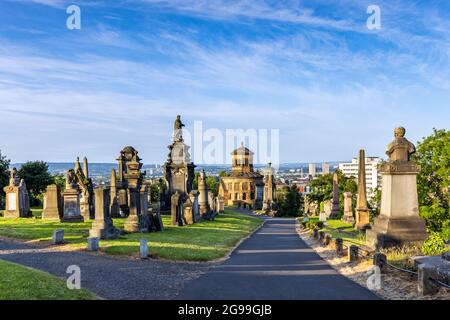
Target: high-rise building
[(312, 169), (373, 177), (325, 168)]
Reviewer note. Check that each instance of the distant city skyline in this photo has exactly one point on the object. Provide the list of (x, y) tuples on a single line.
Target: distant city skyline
[(311, 69)]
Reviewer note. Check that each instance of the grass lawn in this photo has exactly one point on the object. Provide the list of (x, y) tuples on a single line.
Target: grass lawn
[(21, 283), (343, 230), (204, 241)]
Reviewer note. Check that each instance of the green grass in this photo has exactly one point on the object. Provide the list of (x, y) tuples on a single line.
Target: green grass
[(204, 241), (21, 283), (343, 230)]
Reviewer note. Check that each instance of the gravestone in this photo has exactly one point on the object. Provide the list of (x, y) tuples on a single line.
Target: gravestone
[(17, 199), (53, 205), (58, 237), (193, 195), (102, 226), (71, 198), (323, 216), (398, 222), (93, 244), (348, 210), (143, 249), (176, 210)]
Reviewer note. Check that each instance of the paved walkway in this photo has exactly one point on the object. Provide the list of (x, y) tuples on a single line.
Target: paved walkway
[(109, 278), (274, 264)]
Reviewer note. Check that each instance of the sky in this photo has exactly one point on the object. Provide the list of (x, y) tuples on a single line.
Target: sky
[(311, 69)]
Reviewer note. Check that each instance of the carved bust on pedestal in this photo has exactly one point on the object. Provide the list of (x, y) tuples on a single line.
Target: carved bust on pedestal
[(400, 150), (398, 222)]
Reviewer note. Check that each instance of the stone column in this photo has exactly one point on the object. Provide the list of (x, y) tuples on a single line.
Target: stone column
[(102, 226), (203, 195), (52, 203), (132, 223), (335, 211), (348, 209), (362, 211), (114, 202)]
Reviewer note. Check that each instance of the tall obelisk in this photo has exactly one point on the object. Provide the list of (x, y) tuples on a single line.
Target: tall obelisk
[(362, 211)]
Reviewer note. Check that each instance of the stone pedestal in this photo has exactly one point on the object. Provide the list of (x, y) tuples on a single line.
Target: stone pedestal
[(72, 206), (399, 221), (53, 206), (348, 208), (17, 200), (102, 226), (132, 223)]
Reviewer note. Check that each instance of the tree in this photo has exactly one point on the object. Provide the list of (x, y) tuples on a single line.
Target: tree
[(433, 181), (60, 181), (290, 202), (37, 178), (322, 188), (4, 176)]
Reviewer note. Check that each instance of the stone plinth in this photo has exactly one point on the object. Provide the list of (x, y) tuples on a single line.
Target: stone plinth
[(53, 207), (133, 222), (348, 208), (17, 200), (399, 221), (72, 206), (102, 226)]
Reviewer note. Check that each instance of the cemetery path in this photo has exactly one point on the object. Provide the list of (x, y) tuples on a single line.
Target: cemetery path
[(274, 264), (109, 278)]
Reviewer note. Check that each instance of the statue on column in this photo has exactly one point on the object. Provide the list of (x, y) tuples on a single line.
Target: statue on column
[(178, 130)]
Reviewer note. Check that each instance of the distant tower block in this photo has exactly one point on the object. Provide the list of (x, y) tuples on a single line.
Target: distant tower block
[(325, 168), (362, 211), (312, 169)]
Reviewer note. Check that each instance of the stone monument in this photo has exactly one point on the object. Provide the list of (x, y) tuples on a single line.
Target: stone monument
[(348, 208), (203, 199), (53, 204), (399, 222), (114, 201), (269, 196), (176, 209), (71, 199), (102, 226), (86, 187), (362, 211), (179, 170), (335, 211), (17, 199)]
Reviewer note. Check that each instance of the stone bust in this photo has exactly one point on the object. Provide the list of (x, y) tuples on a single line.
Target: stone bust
[(400, 150), (14, 179)]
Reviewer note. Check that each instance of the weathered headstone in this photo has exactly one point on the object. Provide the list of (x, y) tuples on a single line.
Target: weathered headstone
[(93, 244), (323, 216), (53, 206), (17, 199), (348, 210), (176, 210), (362, 211), (114, 201), (58, 237), (143, 249), (71, 196), (102, 226), (398, 222)]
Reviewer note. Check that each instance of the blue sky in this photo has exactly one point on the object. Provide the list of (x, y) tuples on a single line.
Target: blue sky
[(309, 68)]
